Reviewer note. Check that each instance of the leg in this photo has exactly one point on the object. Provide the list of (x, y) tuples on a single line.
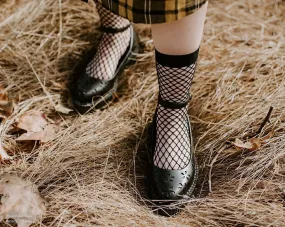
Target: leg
[(186, 34), (177, 47), (112, 46)]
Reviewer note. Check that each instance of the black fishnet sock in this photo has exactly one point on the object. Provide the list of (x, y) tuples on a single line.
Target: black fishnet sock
[(175, 75), (112, 46)]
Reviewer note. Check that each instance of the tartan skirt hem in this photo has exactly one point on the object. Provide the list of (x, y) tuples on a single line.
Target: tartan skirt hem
[(152, 11)]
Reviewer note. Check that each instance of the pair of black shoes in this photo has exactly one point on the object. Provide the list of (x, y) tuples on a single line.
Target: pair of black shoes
[(163, 186)]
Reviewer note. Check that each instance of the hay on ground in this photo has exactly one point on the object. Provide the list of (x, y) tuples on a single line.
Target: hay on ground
[(92, 172)]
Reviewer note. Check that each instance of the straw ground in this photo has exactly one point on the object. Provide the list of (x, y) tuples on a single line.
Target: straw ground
[(92, 172)]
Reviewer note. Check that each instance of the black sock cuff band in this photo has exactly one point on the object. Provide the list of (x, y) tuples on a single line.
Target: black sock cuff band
[(176, 61)]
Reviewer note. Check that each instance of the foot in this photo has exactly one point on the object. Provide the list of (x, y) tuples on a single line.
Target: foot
[(111, 48), (173, 169), (96, 86)]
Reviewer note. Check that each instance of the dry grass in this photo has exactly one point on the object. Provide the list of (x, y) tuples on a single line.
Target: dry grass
[(91, 174)]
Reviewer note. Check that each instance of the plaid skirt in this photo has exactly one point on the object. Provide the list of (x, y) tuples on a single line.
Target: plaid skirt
[(152, 11)]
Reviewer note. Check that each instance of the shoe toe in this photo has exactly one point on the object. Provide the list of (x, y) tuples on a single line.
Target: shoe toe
[(87, 88), (172, 184)]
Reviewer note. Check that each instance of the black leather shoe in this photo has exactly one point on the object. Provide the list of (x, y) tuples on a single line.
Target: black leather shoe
[(167, 186), (88, 93)]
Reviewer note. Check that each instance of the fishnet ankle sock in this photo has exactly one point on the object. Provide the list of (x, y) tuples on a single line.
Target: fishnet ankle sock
[(172, 149), (111, 48)]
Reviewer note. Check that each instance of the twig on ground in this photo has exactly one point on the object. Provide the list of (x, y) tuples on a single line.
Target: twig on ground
[(266, 119)]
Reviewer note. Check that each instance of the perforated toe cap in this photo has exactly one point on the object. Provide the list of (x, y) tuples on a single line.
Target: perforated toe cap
[(171, 184)]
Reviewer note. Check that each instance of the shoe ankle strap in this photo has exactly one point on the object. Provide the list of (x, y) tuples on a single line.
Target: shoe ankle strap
[(172, 105), (113, 30)]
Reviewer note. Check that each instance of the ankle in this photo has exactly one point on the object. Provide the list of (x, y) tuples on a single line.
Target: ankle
[(111, 20), (175, 75)]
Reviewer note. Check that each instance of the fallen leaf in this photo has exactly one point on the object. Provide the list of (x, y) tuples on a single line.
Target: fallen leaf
[(3, 154), (253, 143), (62, 109), (46, 135), (21, 201), (32, 123), (238, 143), (6, 105), (37, 127), (268, 136)]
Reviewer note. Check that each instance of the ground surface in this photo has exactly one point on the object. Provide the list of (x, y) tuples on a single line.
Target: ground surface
[(92, 172)]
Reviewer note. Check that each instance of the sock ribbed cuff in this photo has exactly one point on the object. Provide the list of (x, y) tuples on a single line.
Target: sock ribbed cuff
[(176, 61)]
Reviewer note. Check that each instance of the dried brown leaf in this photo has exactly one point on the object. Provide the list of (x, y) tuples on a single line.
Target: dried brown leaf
[(32, 123), (6, 105), (268, 136), (239, 144), (62, 109), (37, 127), (21, 201), (253, 143), (46, 135), (3, 154)]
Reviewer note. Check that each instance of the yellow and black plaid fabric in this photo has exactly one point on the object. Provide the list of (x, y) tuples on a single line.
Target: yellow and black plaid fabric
[(152, 11)]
